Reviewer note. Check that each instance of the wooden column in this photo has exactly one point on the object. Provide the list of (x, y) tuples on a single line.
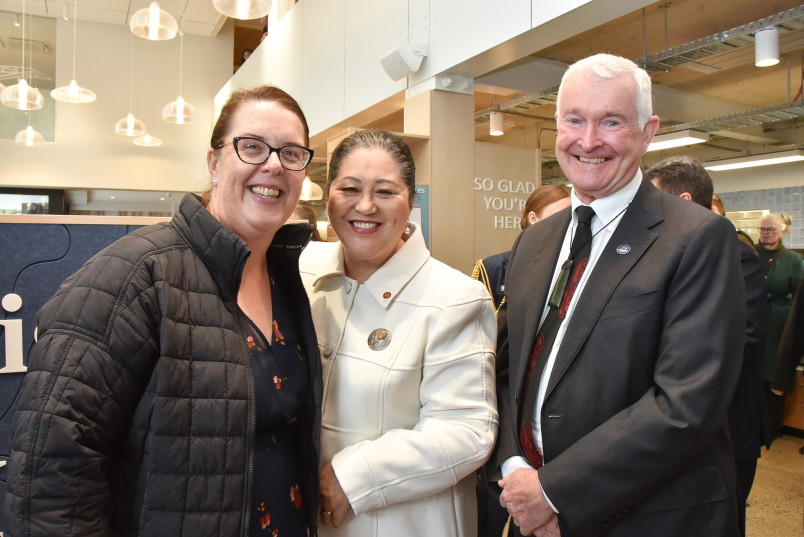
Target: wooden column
[(447, 118)]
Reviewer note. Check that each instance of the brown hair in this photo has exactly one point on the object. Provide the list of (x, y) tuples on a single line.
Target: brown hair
[(236, 99), (305, 212), (396, 148), (718, 203), (541, 198)]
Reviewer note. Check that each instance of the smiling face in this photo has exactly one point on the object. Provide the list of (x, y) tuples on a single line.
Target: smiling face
[(368, 208), (254, 200), (599, 144)]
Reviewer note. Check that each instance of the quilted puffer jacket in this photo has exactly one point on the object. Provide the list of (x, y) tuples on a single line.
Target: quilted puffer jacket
[(136, 415)]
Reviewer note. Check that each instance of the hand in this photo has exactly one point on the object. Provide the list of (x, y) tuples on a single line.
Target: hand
[(523, 497), (777, 392), (333, 498), (550, 529)]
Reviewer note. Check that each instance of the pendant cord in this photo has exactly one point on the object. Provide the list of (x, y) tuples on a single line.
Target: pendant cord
[(22, 48), (616, 216), (75, 32)]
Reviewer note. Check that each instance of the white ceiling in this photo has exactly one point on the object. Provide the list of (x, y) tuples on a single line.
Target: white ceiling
[(200, 17)]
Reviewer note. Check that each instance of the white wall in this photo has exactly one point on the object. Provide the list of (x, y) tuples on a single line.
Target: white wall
[(84, 154), (326, 53)]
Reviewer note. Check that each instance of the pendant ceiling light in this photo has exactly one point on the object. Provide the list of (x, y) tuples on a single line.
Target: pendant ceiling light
[(22, 96), (766, 47), (496, 124), (153, 23), (180, 111), (73, 93), (147, 141), (243, 9), (311, 191), (29, 137), (130, 125)]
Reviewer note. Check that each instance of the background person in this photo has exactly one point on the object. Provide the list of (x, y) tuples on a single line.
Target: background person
[(305, 212), (613, 413), (717, 205), (543, 202), (177, 375), (783, 270), (791, 349), (408, 355), (687, 178)]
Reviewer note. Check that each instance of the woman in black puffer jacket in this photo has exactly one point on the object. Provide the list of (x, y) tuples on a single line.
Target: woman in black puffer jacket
[(175, 388)]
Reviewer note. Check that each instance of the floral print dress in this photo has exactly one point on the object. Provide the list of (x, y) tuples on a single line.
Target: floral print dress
[(281, 386)]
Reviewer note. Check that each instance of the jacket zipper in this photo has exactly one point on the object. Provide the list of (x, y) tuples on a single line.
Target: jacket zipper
[(252, 425)]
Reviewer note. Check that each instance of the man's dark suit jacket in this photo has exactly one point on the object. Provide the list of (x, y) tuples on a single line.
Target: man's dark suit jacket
[(747, 428), (634, 418)]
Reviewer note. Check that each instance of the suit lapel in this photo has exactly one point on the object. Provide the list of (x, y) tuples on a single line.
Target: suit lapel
[(635, 231)]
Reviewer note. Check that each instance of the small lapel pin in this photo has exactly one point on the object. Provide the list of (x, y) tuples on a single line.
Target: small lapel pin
[(379, 339), (623, 249)]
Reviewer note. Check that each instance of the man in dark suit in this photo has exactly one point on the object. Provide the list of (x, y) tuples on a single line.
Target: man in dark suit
[(687, 178), (616, 425)]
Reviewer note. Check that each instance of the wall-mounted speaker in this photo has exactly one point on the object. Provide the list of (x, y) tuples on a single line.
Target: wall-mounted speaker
[(403, 60)]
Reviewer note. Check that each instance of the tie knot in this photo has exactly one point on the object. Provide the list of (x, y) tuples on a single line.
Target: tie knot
[(585, 214)]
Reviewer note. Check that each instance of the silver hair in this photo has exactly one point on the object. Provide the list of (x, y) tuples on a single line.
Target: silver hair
[(608, 67), (782, 221)]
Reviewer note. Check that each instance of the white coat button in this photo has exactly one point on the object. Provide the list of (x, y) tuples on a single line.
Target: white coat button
[(327, 350), (348, 287)]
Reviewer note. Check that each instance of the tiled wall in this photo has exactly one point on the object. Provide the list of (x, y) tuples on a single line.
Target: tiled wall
[(788, 199)]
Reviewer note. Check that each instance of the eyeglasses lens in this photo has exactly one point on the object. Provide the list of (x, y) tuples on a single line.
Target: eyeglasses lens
[(253, 151)]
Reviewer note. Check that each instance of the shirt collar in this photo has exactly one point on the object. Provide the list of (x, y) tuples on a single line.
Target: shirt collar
[(389, 280), (608, 208)]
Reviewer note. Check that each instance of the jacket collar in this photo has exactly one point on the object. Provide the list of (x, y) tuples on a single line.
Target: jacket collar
[(389, 280), (221, 250)]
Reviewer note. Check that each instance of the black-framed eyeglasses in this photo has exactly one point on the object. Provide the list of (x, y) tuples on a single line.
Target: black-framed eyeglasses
[(255, 151), (767, 229)]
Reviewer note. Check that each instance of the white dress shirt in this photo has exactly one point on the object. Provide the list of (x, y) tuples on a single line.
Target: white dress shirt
[(608, 213)]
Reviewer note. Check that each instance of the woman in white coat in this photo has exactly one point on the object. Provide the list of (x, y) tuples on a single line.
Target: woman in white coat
[(407, 346)]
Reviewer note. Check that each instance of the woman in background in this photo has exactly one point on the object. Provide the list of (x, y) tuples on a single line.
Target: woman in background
[(543, 202), (783, 270), (407, 350), (175, 386)]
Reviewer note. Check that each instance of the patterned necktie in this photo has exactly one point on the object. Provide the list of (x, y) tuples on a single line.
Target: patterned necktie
[(571, 272)]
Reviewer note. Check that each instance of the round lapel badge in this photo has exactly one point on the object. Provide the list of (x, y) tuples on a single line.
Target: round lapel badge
[(623, 249), (379, 339)]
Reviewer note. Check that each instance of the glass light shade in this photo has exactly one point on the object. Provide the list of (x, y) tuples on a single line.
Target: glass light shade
[(129, 126), (179, 111), (29, 137), (147, 141), (766, 47), (73, 93), (243, 9), (153, 23), (22, 97), (311, 191), (496, 124)]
